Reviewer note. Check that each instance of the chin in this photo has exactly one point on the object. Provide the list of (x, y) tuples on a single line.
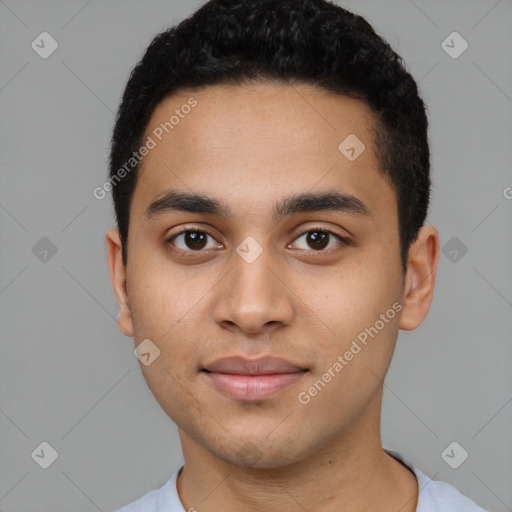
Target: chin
[(258, 454)]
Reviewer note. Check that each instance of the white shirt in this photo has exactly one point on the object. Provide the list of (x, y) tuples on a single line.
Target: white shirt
[(433, 496)]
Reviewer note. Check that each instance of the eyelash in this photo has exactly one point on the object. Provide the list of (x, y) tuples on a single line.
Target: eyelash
[(320, 252)]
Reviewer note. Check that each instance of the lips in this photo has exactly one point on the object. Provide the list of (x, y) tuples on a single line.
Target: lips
[(252, 379), (261, 366)]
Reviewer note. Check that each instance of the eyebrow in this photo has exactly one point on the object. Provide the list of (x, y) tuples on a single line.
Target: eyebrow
[(174, 200)]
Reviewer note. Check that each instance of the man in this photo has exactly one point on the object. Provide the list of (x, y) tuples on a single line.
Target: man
[(270, 176)]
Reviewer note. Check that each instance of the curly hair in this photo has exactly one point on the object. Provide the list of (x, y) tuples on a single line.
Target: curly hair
[(314, 42)]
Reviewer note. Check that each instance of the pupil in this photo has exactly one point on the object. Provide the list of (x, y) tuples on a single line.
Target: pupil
[(319, 239), (195, 238)]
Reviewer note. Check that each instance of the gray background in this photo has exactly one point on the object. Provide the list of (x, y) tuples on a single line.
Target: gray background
[(69, 377)]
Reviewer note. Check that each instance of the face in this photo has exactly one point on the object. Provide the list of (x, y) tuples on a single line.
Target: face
[(290, 250)]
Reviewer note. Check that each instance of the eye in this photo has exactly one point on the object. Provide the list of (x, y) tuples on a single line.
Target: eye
[(192, 240), (319, 239), (196, 240)]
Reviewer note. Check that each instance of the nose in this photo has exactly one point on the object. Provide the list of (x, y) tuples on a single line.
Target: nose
[(254, 297)]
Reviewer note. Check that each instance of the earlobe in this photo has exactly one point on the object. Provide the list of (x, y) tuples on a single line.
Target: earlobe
[(420, 278), (118, 279)]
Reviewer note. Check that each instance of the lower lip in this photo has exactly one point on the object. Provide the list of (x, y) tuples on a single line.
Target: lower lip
[(253, 387)]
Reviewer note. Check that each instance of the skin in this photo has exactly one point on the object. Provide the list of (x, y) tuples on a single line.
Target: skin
[(250, 146)]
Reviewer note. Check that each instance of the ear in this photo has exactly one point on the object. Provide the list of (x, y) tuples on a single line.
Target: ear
[(118, 278), (420, 278)]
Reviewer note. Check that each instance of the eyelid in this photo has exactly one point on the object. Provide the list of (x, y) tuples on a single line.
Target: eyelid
[(326, 229)]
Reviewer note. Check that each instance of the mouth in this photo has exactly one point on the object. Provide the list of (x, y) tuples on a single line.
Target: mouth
[(252, 380)]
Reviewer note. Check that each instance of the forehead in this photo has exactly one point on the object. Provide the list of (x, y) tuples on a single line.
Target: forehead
[(253, 143)]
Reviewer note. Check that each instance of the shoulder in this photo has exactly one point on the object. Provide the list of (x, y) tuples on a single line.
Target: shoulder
[(437, 496), (442, 496), (164, 499), (148, 503)]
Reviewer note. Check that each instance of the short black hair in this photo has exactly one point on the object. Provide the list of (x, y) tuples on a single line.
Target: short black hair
[(312, 42)]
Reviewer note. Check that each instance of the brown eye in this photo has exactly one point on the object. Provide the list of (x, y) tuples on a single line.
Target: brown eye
[(191, 240), (319, 239)]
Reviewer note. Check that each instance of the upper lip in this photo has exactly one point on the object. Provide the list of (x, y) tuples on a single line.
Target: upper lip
[(239, 365)]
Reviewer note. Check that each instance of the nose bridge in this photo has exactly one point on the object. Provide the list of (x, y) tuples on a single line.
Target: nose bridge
[(253, 277), (253, 295)]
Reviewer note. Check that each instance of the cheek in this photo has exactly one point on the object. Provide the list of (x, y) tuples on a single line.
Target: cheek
[(355, 300), (362, 316), (353, 366), (170, 307), (172, 390), (161, 298)]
